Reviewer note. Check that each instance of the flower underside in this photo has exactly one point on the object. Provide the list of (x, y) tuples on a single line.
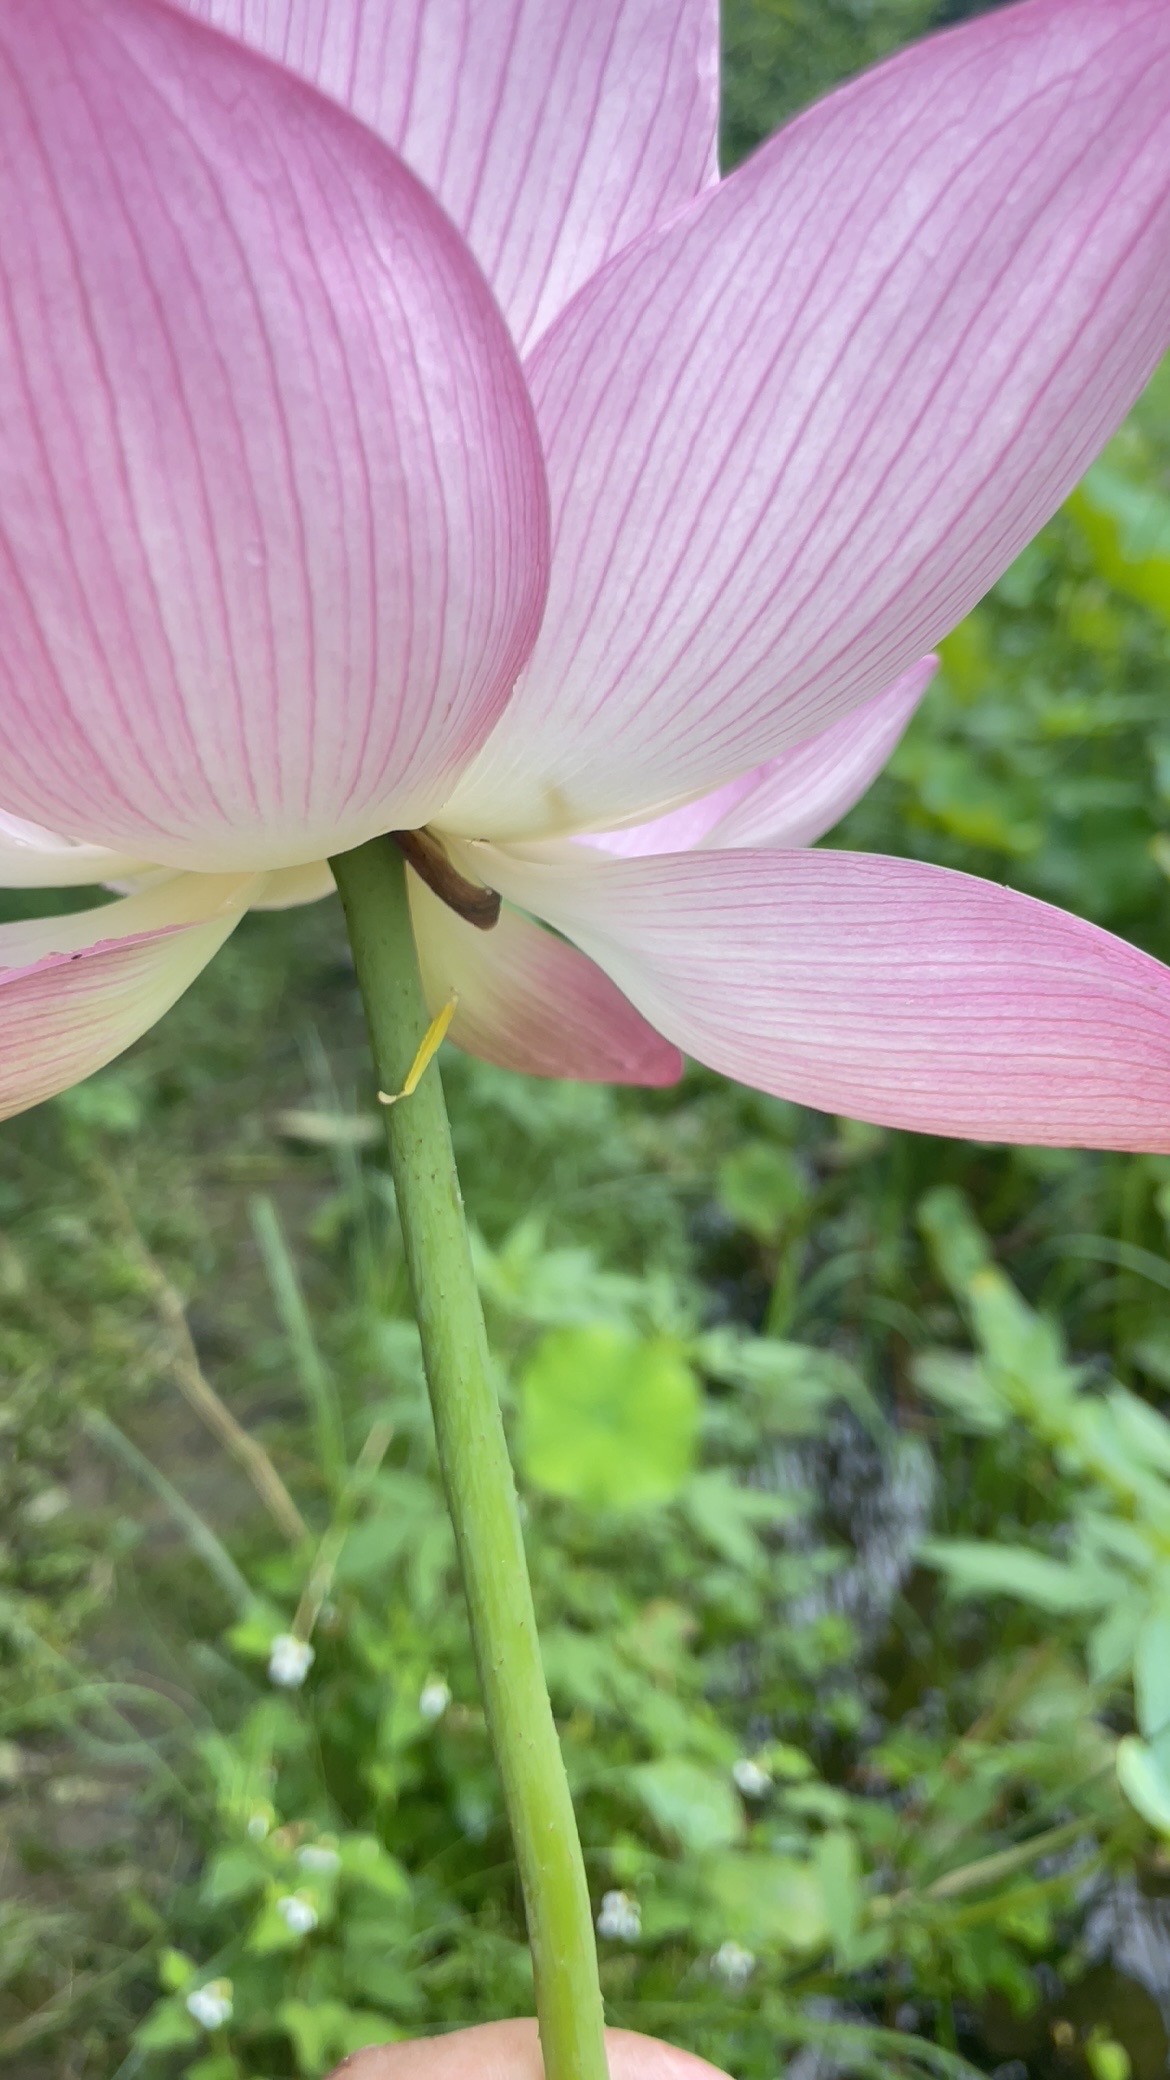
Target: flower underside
[(408, 431)]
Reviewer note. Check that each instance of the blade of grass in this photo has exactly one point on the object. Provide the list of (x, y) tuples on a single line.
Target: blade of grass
[(199, 1535), (311, 1370), (320, 1576)]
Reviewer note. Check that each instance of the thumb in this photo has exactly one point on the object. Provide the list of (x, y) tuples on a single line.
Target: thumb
[(511, 2051)]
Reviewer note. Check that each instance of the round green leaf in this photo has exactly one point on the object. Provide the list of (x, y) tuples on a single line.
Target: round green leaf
[(608, 1418)]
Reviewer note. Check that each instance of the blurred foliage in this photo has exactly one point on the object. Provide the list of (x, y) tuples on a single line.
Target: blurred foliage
[(843, 1453), (780, 54)]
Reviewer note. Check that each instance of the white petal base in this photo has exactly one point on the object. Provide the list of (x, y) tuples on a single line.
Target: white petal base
[(76, 990)]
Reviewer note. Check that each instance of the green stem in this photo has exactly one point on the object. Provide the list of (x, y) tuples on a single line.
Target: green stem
[(477, 1472)]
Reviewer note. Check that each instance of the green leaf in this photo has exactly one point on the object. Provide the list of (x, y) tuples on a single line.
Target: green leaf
[(968, 658), (363, 2028), (1151, 1682), (762, 1188), (608, 1418), (792, 1383), (838, 1866), (976, 808), (781, 1759), (175, 1970), (232, 1874), (365, 1862), (1142, 1428), (1126, 527), (956, 1240), (252, 1635), (1144, 1782), (167, 2027), (110, 1103), (725, 1514), (1037, 1381), (694, 1807), (960, 1385), (1106, 2058), (1113, 1642), (556, 1286), (323, 2031), (769, 1901), (816, 1802), (371, 1972), (401, 1507), (978, 1569), (1021, 1342), (314, 2028), (271, 1933), (580, 1668)]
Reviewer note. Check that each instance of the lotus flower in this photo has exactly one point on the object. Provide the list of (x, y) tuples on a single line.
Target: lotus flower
[(406, 430)]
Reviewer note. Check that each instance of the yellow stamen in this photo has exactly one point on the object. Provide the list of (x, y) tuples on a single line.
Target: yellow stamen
[(429, 1047)]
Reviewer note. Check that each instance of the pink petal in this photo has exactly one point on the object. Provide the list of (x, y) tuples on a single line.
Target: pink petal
[(794, 436), (34, 858), (680, 830), (552, 131), (794, 799), (528, 1001), (271, 505), (880, 988), (75, 991)]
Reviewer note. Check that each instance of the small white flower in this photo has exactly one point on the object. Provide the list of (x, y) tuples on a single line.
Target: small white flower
[(211, 2005), (298, 1913), (620, 1918), (753, 1781), (43, 1508), (316, 1856), (259, 1825), (434, 1697), (734, 1964), (289, 1661)]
